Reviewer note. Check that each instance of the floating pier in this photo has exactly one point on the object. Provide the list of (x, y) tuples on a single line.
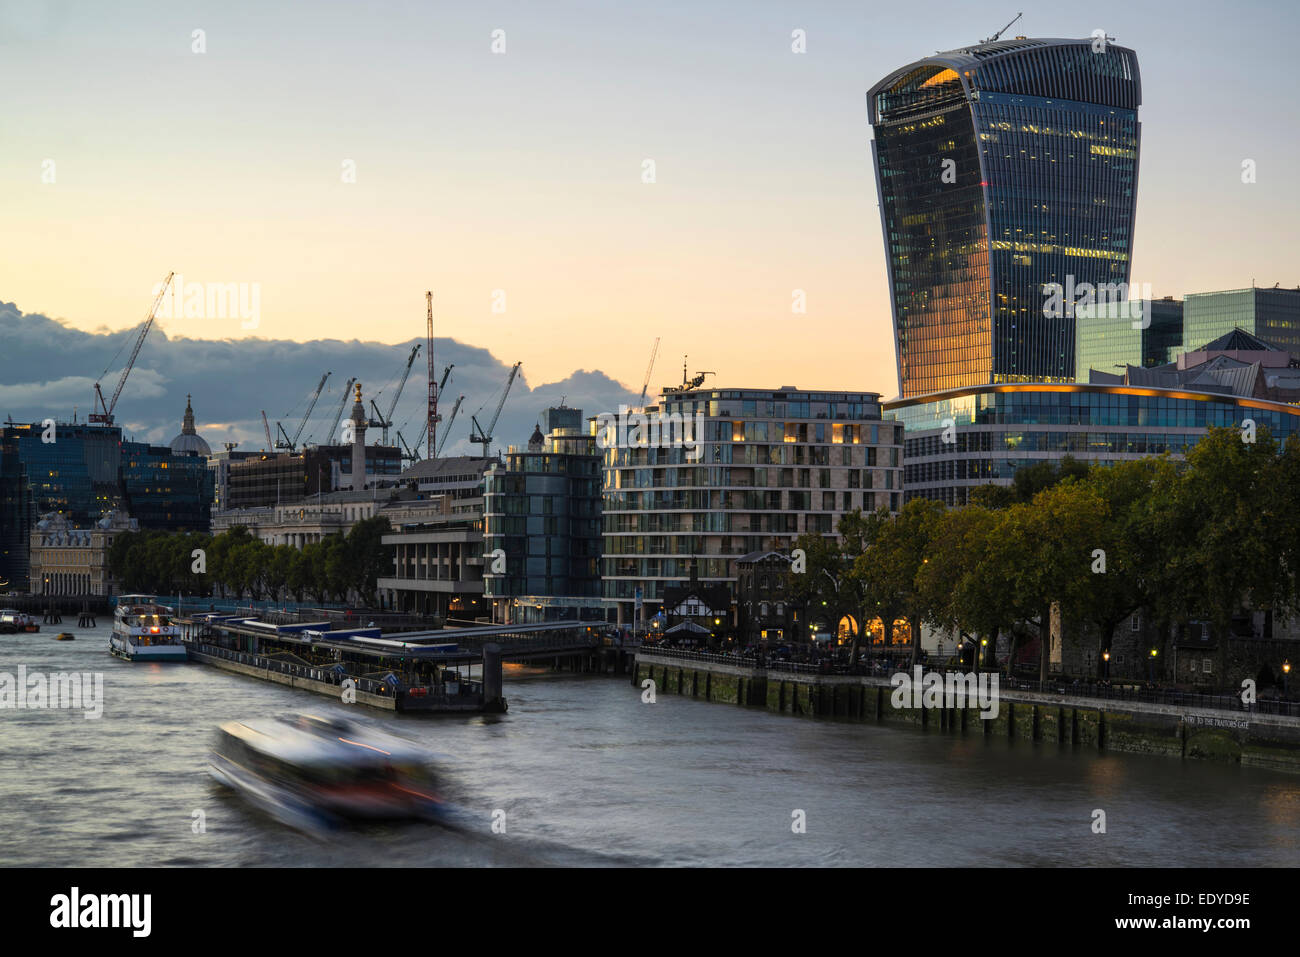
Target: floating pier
[(431, 671)]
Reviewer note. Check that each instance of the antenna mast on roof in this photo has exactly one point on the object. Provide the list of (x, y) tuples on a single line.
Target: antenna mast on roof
[(1003, 30)]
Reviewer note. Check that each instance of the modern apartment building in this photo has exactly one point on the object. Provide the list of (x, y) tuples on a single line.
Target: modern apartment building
[(751, 470), (542, 517)]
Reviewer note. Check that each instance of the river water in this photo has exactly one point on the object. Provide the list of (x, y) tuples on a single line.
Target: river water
[(587, 774)]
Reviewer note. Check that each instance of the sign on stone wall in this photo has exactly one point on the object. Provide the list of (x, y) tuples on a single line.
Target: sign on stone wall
[(1206, 721)]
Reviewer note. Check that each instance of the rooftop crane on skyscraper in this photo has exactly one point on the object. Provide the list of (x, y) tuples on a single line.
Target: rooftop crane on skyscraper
[(106, 416), (484, 436), (292, 443), (1003, 30)]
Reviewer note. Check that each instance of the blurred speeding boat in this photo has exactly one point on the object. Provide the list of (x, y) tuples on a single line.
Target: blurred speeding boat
[(314, 773)]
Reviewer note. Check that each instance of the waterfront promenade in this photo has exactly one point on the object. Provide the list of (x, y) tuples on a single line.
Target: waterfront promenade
[(1205, 727)]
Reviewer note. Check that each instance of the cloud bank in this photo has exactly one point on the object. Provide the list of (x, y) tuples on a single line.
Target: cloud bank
[(47, 369)]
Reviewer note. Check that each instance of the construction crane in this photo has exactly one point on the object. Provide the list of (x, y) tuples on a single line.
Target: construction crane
[(424, 432), (649, 369), (269, 444), (1003, 30), (106, 416), (693, 382), (484, 436), (334, 426), (409, 454), (451, 420), (442, 387), (383, 421), (432, 421), (292, 443)]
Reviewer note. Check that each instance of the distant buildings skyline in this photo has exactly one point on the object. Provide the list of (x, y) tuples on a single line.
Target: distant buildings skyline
[(1167, 328), (84, 473), (1000, 168)]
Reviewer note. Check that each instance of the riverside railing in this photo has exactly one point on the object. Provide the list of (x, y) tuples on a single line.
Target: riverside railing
[(1162, 696), (1111, 692)]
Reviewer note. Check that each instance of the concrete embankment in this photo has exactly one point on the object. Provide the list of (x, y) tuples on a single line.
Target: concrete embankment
[(1260, 740)]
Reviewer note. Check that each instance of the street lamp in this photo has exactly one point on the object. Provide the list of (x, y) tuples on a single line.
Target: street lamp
[(984, 643), (1151, 662), (1105, 657), (1286, 677)]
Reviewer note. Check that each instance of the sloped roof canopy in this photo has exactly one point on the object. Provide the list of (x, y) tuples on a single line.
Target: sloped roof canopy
[(1056, 68)]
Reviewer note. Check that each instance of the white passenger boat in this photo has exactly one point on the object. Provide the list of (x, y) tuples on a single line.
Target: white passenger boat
[(143, 630), (12, 621), (314, 773)]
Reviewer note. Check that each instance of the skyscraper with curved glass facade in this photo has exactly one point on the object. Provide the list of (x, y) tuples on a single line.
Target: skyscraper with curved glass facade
[(1002, 168)]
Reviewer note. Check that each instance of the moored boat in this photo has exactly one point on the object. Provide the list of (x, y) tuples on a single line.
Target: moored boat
[(13, 621), (143, 630)]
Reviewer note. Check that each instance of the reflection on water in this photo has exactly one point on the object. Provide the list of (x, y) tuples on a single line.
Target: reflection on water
[(587, 774)]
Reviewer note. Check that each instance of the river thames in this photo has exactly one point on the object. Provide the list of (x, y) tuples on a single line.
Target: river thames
[(587, 774)]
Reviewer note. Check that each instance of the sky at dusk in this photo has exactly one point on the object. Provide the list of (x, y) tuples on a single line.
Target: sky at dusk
[(515, 179)]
